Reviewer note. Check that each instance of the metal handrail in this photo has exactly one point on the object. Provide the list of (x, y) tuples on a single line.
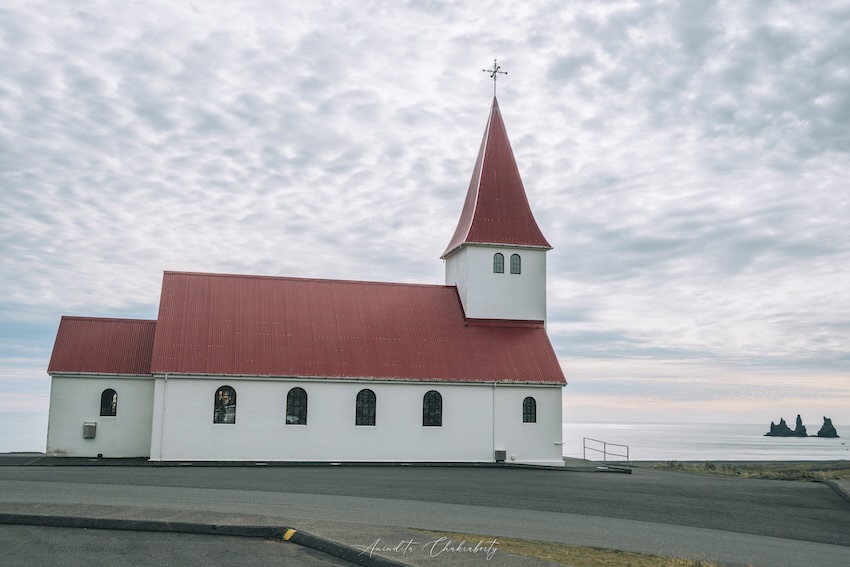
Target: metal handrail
[(604, 450)]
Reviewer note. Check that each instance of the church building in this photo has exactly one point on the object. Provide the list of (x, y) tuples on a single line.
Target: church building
[(261, 368)]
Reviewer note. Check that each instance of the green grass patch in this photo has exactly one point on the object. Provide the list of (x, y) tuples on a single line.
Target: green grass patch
[(830, 470)]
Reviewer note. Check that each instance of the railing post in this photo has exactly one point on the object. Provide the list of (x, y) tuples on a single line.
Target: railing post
[(604, 449)]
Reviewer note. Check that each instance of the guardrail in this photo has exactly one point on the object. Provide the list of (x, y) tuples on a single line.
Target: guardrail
[(604, 450)]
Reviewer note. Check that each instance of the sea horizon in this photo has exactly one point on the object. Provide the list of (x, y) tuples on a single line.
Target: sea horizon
[(688, 441)]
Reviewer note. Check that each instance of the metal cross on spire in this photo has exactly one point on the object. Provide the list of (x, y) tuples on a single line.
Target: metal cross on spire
[(494, 74)]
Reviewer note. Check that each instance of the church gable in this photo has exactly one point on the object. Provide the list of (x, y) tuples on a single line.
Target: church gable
[(273, 326)]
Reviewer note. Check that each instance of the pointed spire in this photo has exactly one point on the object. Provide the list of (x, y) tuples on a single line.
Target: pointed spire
[(496, 210)]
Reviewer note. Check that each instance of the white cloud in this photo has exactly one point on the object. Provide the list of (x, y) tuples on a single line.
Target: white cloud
[(687, 161)]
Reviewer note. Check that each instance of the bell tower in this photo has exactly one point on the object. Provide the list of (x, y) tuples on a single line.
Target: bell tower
[(497, 255)]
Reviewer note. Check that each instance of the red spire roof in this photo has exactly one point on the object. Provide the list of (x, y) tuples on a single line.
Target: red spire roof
[(496, 210)]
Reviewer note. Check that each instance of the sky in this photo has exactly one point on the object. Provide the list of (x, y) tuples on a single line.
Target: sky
[(688, 161)]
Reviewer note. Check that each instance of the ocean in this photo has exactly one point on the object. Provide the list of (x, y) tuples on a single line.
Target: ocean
[(703, 442)]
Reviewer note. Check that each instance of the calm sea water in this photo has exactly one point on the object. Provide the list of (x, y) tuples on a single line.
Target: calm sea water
[(704, 442)]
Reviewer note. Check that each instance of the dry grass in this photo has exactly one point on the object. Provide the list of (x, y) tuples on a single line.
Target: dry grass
[(576, 555), (831, 470)]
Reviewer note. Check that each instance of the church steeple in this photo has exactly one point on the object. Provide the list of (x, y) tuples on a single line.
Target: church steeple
[(496, 210), (497, 255)]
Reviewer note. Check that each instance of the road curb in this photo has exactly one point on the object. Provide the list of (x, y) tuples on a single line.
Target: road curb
[(297, 537), (267, 532), (836, 487), (338, 550)]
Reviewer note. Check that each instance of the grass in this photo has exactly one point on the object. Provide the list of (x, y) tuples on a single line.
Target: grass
[(830, 470), (575, 555)]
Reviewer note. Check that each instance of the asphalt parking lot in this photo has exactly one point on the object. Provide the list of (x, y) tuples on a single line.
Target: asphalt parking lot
[(736, 521), (29, 546)]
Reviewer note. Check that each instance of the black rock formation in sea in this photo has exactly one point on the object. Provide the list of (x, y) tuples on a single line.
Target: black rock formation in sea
[(800, 429), (782, 430), (827, 430)]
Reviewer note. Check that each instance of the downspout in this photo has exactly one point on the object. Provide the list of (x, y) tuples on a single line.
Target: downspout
[(162, 422), (493, 413)]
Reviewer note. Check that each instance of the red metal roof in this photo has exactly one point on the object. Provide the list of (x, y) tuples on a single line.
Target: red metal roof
[(108, 346), (273, 326), (496, 210)]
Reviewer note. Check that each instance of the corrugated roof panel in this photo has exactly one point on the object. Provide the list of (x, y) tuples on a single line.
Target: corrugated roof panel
[(254, 325), (100, 345), (496, 209)]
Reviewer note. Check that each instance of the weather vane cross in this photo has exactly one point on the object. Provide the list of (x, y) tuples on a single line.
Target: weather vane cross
[(494, 74)]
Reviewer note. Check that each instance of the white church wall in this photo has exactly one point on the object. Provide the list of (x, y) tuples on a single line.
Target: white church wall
[(75, 400), (531, 443), (157, 420), (487, 295), (456, 273), (260, 432)]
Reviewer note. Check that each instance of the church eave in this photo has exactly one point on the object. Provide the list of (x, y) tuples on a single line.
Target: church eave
[(59, 373), (448, 253), (349, 379)]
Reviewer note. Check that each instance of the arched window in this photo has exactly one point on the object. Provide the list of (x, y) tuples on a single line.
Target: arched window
[(432, 409), (529, 410), (296, 407), (516, 264), (109, 403), (498, 263), (365, 408), (225, 405)]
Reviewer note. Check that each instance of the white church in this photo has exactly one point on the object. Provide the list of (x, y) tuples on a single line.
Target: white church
[(259, 368)]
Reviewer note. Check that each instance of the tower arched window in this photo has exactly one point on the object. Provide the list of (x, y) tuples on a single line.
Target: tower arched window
[(529, 410), (516, 264), (296, 407), (498, 263), (109, 403), (365, 408), (225, 405), (432, 409)]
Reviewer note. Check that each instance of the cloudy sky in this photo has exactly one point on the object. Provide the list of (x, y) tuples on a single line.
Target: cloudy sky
[(689, 162)]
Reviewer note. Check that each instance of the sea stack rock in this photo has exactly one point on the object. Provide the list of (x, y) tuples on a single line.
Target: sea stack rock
[(781, 430), (827, 430), (800, 429)]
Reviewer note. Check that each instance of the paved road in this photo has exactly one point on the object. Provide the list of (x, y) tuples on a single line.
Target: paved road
[(32, 546), (797, 510), (737, 521)]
